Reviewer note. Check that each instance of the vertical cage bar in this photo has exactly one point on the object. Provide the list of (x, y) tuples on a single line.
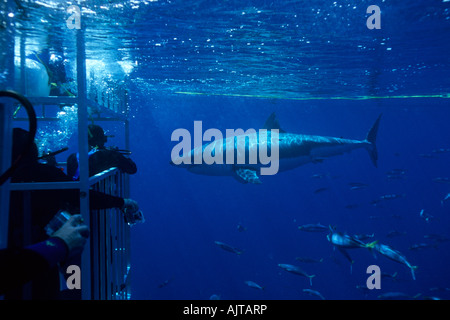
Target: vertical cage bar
[(5, 162), (83, 158), (7, 43)]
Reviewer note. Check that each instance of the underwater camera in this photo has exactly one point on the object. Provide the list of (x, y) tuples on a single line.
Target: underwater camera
[(57, 222), (134, 217)]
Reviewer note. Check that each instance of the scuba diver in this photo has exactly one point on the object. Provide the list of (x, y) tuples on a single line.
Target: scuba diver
[(100, 157), (43, 206)]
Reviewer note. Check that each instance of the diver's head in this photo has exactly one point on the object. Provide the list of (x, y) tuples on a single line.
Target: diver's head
[(20, 140), (96, 136)]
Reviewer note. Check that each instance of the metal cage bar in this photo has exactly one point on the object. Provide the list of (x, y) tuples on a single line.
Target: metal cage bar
[(7, 46), (110, 245), (105, 262)]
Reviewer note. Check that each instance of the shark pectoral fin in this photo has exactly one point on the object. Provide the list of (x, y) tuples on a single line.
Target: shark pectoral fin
[(244, 175)]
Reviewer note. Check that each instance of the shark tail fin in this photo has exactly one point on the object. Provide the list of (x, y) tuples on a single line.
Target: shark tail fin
[(372, 138)]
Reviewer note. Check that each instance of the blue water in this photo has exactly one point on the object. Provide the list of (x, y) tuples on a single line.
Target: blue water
[(186, 213), (230, 64)]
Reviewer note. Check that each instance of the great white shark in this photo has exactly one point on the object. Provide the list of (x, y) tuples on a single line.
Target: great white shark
[(294, 150)]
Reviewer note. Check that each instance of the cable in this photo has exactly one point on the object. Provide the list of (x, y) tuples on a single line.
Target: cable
[(32, 131)]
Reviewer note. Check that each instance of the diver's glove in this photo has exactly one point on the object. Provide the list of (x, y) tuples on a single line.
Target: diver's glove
[(132, 213)]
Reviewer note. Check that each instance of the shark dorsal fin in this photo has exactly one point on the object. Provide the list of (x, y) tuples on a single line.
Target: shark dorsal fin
[(272, 123)]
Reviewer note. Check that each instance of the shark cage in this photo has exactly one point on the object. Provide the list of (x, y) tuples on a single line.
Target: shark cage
[(105, 260)]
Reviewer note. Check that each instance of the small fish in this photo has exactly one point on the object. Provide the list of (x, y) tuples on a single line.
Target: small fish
[(376, 202), (357, 185), (314, 293), (347, 256), (436, 237), (394, 177), (395, 233), (394, 172), (446, 198), (427, 217), (419, 246), (320, 175), (165, 283), (214, 297), (388, 275), (364, 236), (441, 150), (241, 228), (442, 180), (320, 190), (296, 270), (313, 227), (392, 196), (357, 188), (426, 155), (252, 284), (396, 295), (394, 255), (431, 298), (439, 289), (308, 260), (346, 241), (363, 289), (228, 248)]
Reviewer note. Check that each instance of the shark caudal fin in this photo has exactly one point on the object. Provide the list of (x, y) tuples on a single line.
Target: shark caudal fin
[(372, 138)]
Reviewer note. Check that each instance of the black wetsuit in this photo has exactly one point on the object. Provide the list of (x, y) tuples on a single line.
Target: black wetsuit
[(101, 160), (44, 204), (21, 265)]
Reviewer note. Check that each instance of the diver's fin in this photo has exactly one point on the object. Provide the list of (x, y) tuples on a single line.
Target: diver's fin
[(272, 123), (244, 175), (372, 138)]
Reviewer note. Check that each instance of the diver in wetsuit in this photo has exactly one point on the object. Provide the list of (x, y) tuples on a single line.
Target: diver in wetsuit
[(44, 204), (100, 157), (19, 266)]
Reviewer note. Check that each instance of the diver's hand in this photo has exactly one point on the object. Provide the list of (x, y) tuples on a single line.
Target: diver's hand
[(132, 213), (136, 217), (73, 233), (130, 206)]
